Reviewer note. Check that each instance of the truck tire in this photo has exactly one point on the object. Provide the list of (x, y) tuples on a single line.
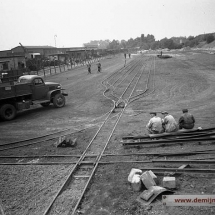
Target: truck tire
[(59, 100), (45, 104), (7, 112)]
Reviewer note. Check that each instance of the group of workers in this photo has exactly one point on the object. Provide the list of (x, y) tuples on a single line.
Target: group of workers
[(129, 55), (99, 66), (89, 67), (168, 124)]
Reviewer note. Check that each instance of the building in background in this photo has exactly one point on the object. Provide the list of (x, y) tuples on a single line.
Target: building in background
[(14, 62), (31, 52)]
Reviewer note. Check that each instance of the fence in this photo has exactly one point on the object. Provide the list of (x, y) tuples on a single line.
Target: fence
[(13, 75), (52, 70)]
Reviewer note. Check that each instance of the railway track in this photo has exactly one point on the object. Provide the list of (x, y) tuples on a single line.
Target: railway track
[(65, 132), (81, 173), (120, 87), (83, 167)]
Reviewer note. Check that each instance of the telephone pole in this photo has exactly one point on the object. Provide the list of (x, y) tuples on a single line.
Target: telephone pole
[(55, 40)]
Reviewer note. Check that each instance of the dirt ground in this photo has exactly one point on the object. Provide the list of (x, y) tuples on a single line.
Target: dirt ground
[(184, 81)]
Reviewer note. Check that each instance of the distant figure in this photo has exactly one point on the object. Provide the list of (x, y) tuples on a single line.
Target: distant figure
[(129, 55), (169, 123), (187, 120), (89, 68), (161, 53), (125, 55), (154, 125), (99, 66)]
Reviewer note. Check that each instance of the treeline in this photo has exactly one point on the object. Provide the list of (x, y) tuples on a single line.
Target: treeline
[(145, 42), (149, 42)]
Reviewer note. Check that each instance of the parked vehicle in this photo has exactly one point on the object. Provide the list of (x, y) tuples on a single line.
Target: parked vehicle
[(29, 90)]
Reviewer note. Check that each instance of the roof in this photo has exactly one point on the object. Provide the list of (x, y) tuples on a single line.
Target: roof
[(5, 51), (77, 50), (27, 78), (11, 56), (58, 54), (40, 47), (4, 61), (37, 47)]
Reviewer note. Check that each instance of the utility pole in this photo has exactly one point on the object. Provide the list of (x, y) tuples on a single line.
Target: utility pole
[(55, 40), (24, 49), (25, 57)]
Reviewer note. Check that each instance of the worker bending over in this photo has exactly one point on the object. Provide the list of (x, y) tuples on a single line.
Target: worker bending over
[(187, 120), (169, 123), (154, 125)]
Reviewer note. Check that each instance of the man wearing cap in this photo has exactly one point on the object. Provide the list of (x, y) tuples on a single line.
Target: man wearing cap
[(187, 120), (169, 123), (154, 125)]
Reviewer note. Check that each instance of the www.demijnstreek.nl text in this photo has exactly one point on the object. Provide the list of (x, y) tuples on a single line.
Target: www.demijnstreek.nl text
[(188, 200)]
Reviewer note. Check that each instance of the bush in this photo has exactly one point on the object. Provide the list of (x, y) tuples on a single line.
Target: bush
[(210, 38)]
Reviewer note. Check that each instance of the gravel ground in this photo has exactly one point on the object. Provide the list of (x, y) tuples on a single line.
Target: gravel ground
[(184, 81)]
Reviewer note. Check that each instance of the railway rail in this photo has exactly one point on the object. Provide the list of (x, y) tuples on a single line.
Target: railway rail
[(120, 88), (64, 132), (98, 144)]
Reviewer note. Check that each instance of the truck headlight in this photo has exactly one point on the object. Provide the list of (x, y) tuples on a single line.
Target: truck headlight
[(59, 87)]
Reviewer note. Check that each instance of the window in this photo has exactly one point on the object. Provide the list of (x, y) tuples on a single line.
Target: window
[(38, 81), (5, 66)]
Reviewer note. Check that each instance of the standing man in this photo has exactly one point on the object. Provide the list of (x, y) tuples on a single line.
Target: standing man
[(99, 66), (169, 123), (129, 55), (154, 125), (125, 59), (187, 120), (89, 68)]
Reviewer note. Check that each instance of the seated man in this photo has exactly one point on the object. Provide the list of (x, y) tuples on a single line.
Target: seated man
[(186, 121), (169, 123), (154, 125)]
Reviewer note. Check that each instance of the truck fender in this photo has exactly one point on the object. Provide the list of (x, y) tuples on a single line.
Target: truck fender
[(52, 93)]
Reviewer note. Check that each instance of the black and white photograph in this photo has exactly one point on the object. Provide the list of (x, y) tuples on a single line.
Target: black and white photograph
[(107, 107)]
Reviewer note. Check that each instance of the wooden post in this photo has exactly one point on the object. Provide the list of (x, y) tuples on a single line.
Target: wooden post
[(44, 71), (54, 67), (70, 62), (50, 68), (59, 68)]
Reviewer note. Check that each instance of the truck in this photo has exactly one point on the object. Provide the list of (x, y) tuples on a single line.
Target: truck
[(27, 91)]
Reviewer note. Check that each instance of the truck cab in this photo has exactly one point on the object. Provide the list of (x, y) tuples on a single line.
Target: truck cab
[(29, 90)]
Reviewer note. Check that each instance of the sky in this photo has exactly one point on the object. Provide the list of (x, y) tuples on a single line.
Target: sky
[(71, 23)]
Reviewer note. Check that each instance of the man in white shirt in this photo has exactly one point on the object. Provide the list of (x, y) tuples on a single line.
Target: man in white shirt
[(169, 123), (154, 125)]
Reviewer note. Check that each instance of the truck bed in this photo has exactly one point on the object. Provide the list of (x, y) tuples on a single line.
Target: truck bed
[(8, 90)]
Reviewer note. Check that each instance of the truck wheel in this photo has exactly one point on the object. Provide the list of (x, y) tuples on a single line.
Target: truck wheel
[(45, 104), (59, 100), (7, 112)]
